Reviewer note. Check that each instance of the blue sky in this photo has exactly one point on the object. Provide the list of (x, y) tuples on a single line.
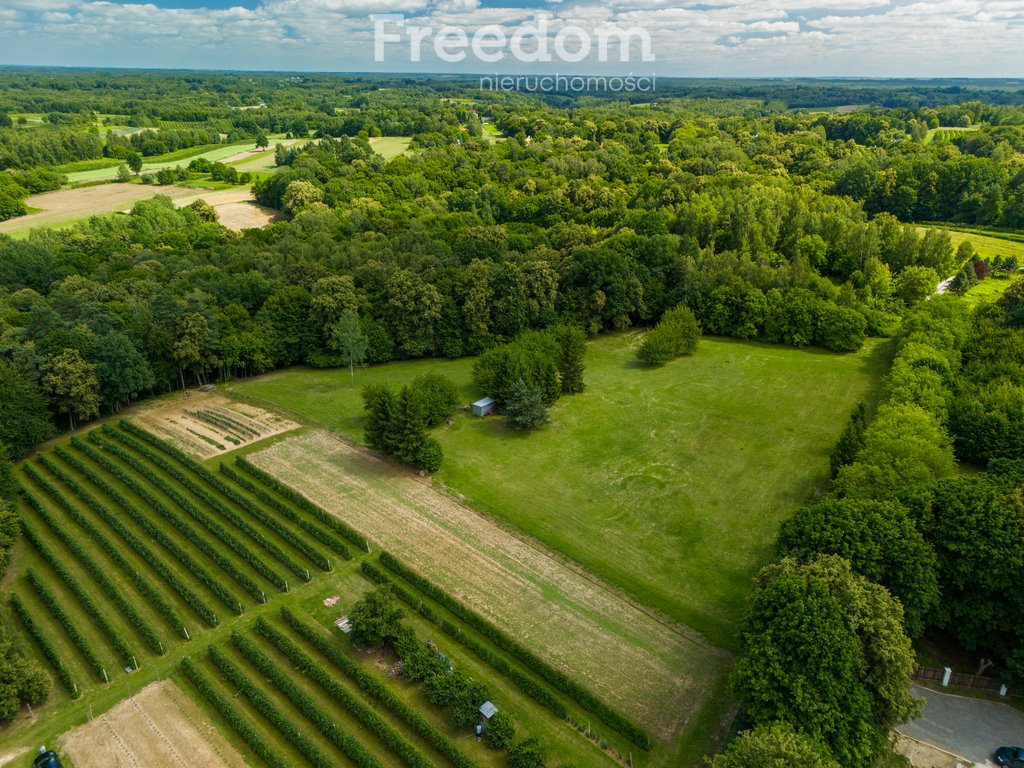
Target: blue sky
[(907, 38)]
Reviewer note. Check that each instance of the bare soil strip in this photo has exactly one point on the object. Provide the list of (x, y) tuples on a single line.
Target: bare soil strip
[(650, 671), (158, 728), (174, 419)]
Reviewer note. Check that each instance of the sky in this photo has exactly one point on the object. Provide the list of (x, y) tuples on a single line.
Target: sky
[(685, 38)]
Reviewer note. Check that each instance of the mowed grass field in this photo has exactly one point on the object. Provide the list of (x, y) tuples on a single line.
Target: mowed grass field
[(218, 555), (669, 482), (390, 147)]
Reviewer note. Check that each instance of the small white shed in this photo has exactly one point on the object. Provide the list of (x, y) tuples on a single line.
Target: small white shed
[(484, 407), (488, 710)]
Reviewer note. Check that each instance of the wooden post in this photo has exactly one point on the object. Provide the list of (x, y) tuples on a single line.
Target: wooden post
[(105, 676), (185, 630)]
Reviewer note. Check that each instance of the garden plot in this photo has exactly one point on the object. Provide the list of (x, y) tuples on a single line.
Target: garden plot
[(207, 424), (656, 673), (158, 728)]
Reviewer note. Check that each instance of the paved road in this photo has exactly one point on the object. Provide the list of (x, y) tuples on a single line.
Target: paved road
[(966, 727)]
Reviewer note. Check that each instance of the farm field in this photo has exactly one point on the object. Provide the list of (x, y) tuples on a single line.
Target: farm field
[(390, 147), (519, 587), (184, 157), (750, 428), (157, 728), (66, 207), (207, 424), (140, 564)]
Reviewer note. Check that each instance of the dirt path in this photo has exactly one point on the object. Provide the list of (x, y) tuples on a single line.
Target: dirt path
[(649, 671), (157, 728)]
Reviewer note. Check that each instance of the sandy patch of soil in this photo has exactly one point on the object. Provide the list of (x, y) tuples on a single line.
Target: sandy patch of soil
[(207, 424), (652, 672), (158, 728), (247, 215), (923, 755)]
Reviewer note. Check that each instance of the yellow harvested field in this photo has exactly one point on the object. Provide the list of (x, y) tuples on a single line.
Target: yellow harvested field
[(207, 424), (236, 207), (654, 671), (73, 204), (158, 728)]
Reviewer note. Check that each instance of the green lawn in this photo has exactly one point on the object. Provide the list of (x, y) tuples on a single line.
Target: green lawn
[(668, 482), (390, 147)]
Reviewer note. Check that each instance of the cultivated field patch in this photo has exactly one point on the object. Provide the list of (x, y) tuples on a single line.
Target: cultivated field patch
[(159, 727), (655, 672), (206, 424)]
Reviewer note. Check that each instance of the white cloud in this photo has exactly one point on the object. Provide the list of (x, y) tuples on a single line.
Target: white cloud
[(728, 37)]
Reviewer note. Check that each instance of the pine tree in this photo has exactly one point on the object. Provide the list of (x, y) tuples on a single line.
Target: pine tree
[(379, 405), (408, 429), (851, 441), (572, 346), (525, 407)]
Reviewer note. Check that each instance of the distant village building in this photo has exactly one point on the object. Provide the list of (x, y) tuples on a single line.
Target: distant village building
[(484, 407)]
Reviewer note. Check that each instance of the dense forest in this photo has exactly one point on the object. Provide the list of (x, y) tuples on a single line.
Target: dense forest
[(508, 214)]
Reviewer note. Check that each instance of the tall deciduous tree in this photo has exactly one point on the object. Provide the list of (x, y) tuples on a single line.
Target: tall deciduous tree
[(24, 417), (377, 619), (71, 383), (349, 340), (880, 541), (123, 371), (825, 651), (774, 745)]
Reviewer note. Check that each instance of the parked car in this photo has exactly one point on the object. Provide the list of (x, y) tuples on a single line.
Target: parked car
[(1010, 756)]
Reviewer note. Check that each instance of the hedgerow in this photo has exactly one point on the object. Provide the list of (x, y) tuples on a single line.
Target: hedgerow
[(187, 480), (558, 680), (308, 526), (193, 600), (262, 704), (57, 611), (42, 641), (355, 751), (373, 687), (301, 501), (523, 681), (85, 602), (241, 724), (186, 530), (315, 672), (99, 574)]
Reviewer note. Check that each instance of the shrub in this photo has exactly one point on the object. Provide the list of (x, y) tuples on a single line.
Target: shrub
[(526, 754), (437, 397), (430, 455), (376, 620), (501, 731), (677, 333)]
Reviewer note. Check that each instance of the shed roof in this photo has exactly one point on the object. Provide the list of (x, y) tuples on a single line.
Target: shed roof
[(484, 402), (488, 710)]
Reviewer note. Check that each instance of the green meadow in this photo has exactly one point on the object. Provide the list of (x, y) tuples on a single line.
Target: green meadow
[(669, 482)]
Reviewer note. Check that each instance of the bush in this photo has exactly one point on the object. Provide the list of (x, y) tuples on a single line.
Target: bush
[(437, 397), (430, 455), (526, 754), (677, 333), (501, 731)]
